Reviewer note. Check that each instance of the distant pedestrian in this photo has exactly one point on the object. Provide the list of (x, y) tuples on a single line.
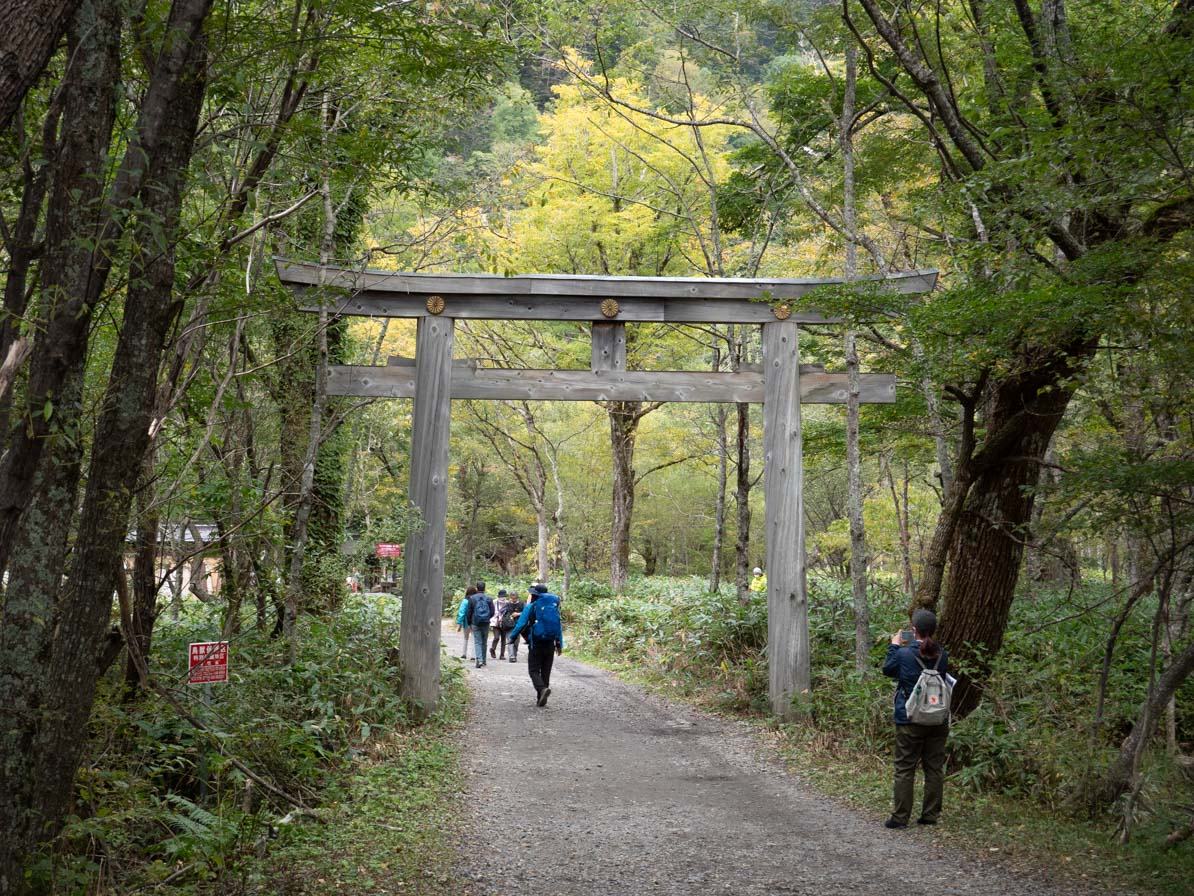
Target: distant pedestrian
[(462, 620), (478, 615), (925, 697), (497, 629), (758, 584), (513, 611), (545, 638)]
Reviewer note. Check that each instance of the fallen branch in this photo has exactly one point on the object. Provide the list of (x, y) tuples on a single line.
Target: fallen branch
[(1181, 834)]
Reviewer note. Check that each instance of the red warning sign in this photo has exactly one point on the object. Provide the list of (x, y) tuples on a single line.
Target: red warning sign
[(209, 662)]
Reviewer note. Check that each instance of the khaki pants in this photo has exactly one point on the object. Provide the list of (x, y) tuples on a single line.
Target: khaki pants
[(922, 745)]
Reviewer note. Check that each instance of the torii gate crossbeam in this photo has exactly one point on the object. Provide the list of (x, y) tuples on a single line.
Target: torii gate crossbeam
[(433, 379)]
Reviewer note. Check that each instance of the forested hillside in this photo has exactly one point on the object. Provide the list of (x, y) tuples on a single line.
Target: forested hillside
[(173, 469)]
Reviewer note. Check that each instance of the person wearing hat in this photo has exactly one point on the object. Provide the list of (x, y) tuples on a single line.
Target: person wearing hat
[(545, 638), (908, 654), (758, 585)]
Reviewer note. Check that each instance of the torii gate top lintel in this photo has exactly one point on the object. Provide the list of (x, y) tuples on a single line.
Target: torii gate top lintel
[(574, 297)]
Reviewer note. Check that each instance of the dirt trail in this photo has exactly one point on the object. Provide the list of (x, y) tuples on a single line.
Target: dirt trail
[(609, 791)]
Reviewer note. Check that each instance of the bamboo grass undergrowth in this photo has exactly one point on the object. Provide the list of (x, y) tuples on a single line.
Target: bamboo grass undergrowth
[(1016, 765)]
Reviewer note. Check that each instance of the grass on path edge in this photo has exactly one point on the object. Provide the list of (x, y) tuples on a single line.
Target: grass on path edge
[(390, 825)]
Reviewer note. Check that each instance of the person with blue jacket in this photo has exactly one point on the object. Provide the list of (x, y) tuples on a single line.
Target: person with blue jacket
[(462, 620), (477, 615), (922, 745), (545, 638)]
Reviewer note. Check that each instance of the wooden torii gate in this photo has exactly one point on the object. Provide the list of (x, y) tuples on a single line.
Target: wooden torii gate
[(433, 379)]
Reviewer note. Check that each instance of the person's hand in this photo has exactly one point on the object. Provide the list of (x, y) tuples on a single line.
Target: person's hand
[(559, 651), (897, 639)]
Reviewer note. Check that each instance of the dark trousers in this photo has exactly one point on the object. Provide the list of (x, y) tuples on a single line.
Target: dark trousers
[(539, 660), (499, 637), (922, 745)]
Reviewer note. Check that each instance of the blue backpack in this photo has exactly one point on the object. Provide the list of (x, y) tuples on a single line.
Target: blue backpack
[(547, 619), (480, 609)]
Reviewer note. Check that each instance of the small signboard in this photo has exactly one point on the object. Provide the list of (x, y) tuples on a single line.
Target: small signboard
[(385, 549), (208, 662)]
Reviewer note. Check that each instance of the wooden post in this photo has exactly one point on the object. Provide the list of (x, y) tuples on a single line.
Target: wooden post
[(609, 346), (423, 580), (787, 598)]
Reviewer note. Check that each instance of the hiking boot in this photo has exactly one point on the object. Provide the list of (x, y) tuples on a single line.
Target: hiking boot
[(543, 695), (895, 824), (923, 820), (492, 654), (478, 664), (513, 659)]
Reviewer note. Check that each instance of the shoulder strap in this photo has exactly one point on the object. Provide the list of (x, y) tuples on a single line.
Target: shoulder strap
[(936, 662)]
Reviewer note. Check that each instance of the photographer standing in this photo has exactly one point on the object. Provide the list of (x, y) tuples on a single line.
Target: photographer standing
[(921, 666)]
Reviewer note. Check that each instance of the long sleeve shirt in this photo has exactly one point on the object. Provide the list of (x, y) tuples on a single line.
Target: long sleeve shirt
[(527, 621)]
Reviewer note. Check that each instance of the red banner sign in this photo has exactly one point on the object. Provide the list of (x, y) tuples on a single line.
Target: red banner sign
[(209, 662), (389, 550)]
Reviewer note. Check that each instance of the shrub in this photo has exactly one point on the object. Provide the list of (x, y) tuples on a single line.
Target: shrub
[(155, 794)]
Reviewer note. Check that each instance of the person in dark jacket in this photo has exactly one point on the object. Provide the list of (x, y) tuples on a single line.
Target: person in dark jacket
[(541, 652), (510, 620), (478, 620), (922, 745)]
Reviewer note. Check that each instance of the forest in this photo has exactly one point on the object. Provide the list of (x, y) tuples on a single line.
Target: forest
[(174, 470)]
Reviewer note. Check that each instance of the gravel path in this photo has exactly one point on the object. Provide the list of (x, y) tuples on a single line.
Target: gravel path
[(620, 793)]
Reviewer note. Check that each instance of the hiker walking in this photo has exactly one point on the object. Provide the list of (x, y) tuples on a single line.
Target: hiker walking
[(478, 615), (545, 638), (758, 582), (922, 698), (462, 619), (513, 610), (499, 630)]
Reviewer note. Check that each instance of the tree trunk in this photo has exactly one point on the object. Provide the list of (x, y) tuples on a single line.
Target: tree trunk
[(122, 433), (721, 418), (20, 246), (901, 512), (650, 557), (302, 515), (68, 670), (1021, 415), (858, 549), (32, 31), (1119, 776), (742, 502), (143, 613), (624, 417), (72, 221), (71, 276)]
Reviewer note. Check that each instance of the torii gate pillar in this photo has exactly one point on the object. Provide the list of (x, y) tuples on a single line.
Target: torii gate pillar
[(789, 672), (423, 573)]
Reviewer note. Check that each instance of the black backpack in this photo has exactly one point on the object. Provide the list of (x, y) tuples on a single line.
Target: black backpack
[(512, 613)]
